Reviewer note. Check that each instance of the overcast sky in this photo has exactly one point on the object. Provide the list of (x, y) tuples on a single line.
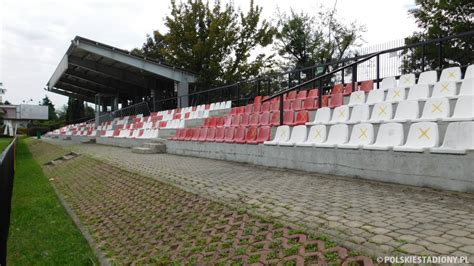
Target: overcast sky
[(35, 34)]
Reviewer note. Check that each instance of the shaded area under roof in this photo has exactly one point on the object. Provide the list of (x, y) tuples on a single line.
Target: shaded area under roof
[(90, 68)]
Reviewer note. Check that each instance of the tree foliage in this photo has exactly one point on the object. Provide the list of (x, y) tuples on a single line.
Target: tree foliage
[(75, 110), (216, 42), (51, 110), (437, 19)]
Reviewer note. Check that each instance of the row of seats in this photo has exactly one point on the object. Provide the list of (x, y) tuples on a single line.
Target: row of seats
[(239, 135), (131, 133), (434, 109), (421, 136)]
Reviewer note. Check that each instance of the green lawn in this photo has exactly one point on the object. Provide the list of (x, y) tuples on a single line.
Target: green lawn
[(41, 231), (4, 143)]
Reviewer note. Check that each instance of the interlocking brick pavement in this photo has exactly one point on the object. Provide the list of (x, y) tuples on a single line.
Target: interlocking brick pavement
[(371, 217), (138, 220)]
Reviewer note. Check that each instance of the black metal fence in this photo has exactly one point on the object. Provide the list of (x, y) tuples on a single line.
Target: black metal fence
[(7, 173)]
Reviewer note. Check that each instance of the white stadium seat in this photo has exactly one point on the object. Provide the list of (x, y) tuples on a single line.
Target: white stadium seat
[(376, 96), (406, 111), (435, 109), (421, 136), (357, 97), (464, 109), (316, 135), (388, 83), (282, 134), (298, 135), (396, 95), (359, 113), (428, 77), (323, 115), (459, 138), (362, 134), (419, 92), (467, 88), (228, 105), (338, 134), (451, 74), (212, 106), (444, 89), (340, 114), (406, 80), (389, 135), (469, 72), (381, 112)]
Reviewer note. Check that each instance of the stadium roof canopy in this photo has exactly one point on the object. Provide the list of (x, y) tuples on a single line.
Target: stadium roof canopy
[(90, 69)]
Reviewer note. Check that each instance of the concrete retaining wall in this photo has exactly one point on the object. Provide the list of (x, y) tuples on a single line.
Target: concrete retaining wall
[(440, 171), (122, 142)]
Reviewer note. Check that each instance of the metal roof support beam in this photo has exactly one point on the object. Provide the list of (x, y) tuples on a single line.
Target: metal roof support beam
[(150, 66), (74, 89), (120, 75), (82, 86), (70, 94)]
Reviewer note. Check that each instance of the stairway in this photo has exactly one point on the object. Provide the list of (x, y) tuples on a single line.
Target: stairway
[(150, 148)]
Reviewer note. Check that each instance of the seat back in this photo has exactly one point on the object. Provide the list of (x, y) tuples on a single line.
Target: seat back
[(263, 134), (337, 88), (229, 133), (248, 108), (196, 134), (367, 85), (336, 100), (360, 112), (467, 86), (291, 95), (423, 135), (227, 105), (253, 120), (282, 134), (357, 97), (317, 134), (235, 120), (406, 80), (286, 105), (256, 107), (388, 83), (338, 134), (444, 89), (302, 94), (311, 103), (407, 110), (203, 134), (436, 108), (265, 107), (211, 134), (276, 106), (362, 134), (288, 117), (264, 118), (251, 134), (428, 77), (275, 118), (464, 107), (301, 117), (299, 134), (244, 119), (257, 99), (469, 72), (297, 104), (340, 114), (220, 133), (376, 96), (395, 95), (450, 74), (455, 137), (348, 88), (390, 134), (382, 111), (220, 121), (239, 134), (419, 92), (313, 93), (323, 115)]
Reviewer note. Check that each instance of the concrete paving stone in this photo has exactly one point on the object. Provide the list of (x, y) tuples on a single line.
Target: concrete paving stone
[(408, 238), (431, 232), (441, 249), (460, 233), (464, 240), (380, 239), (437, 239), (412, 249), (468, 249)]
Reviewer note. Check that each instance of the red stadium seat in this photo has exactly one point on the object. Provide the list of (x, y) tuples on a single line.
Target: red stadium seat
[(207, 106), (313, 93), (297, 104), (288, 117), (251, 134), (203, 134), (211, 134), (263, 135), (229, 134), (220, 121), (212, 121), (275, 119), (244, 119), (336, 100), (348, 89), (286, 105), (253, 120), (264, 119), (220, 134), (194, 108), (367, 85), (337, 88), (275, 107), (239, 137), (189, 134), (311, 104), (177, 116), (256, 107), (227, 121), (241, 109), (325, 100), (248, 109), (196, 134), (233, 110), (206, 122), (301, 118), (291, 95), (235, 120), (257, 99), (162, 124), (186, 115), (302, 94), (265, 107), (116, 132)]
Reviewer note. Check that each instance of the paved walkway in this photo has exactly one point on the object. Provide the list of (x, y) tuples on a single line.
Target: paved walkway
[(374, 218)]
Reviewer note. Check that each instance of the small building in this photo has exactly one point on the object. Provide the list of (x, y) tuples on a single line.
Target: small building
[(18, 115)]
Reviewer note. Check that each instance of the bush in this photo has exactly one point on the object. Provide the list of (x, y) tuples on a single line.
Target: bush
[(32, 130)]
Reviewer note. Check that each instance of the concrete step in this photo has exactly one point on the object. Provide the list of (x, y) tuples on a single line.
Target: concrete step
[(158, 147), (143, 150)]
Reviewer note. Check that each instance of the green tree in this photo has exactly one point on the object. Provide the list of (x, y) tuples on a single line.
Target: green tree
[(75, 110), (215, 42), (51, 110), (437, 19)]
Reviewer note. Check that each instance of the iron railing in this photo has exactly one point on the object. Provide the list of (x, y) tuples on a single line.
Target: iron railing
[(7, 174)]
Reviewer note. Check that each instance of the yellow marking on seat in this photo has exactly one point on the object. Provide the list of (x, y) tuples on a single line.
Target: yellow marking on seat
[(318, 134), (424, 133), (444, 87), (396, 93), (363, 133), (437, 108), (406, 80), (341, 113), (358, 95), (382, 110), (450, 74), (283, 133)]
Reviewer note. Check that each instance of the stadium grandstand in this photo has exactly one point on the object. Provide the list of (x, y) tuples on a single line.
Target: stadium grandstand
[(318, 122)]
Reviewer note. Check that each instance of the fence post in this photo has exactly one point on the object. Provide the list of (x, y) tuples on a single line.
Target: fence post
[(378, 71), (440, 45), (281, 109), (258, 87), (423, 51), (238, 94), (354, 75)]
